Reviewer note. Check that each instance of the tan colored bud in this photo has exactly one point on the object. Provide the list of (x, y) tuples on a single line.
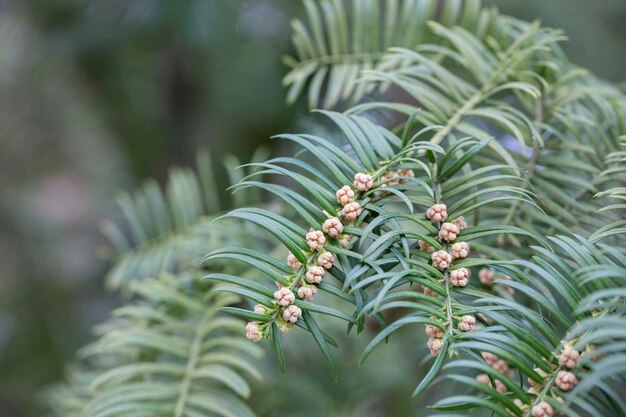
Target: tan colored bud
[(437, 213)]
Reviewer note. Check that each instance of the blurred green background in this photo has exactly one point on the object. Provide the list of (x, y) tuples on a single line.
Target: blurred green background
[(98, 95)]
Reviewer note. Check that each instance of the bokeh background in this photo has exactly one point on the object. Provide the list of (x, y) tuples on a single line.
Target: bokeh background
[(98, 95)]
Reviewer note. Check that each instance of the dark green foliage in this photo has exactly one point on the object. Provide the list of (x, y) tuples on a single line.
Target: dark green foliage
[(507, 133), (488, 117)]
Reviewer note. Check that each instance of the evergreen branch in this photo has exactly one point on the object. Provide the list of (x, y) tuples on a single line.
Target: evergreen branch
[(340, 42)]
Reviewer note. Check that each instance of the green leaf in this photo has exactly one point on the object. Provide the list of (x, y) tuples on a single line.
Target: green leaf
[(321, 342), (278, 348), (434, 370)]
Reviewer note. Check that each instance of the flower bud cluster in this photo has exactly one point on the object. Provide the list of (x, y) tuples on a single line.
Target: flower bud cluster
[(499, 365), (564, 380), (543, 409), (319, 261), (425, 246), (363, 182), (435, 340), (460, 250), (434, 345), (254, 332), (460, 277), (333, 227), (488, 275), (287, 312), (391, 178), (569, 357), (498, 385), (467, 323), (496, 363), (449, 232), (437, 213), (351, 209), (460, 222), (443, 260), (433, 331)]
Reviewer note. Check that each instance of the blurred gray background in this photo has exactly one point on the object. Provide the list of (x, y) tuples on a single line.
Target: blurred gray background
[(96, 96)]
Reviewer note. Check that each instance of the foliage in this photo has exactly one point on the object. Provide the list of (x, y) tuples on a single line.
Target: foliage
[(506, 132), (573, 296), (498, 160), (168, 353), (170, 229), (339, 44)]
